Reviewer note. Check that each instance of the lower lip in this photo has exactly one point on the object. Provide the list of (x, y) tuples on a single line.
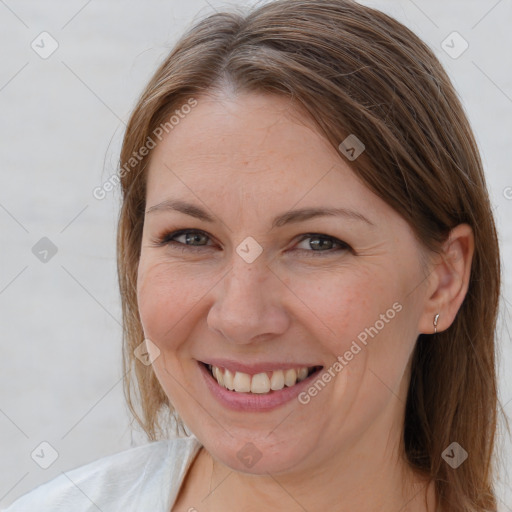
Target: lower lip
[(253, 402)]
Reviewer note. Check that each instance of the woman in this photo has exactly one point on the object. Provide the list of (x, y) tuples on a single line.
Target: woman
[(310, 277)]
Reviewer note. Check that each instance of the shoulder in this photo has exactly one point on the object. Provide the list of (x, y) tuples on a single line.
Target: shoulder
[(146, 477)]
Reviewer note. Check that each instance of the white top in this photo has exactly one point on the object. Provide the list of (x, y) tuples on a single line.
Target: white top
[(144, 479)]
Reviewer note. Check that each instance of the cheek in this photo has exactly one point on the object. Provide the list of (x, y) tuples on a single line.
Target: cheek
[(363, 323), (339, 305), (166, 296)]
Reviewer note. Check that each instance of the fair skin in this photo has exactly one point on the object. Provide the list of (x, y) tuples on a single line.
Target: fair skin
[(246, 159)]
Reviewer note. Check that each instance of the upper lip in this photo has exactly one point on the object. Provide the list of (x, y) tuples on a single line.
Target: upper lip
[(254, 368)]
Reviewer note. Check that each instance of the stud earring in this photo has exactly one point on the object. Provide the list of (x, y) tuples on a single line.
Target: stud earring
[(435, 323)]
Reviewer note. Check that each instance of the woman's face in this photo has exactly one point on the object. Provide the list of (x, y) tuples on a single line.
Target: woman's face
[(249, 285)]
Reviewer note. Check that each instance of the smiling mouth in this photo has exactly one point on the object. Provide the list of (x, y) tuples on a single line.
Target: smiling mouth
[(259, 383)]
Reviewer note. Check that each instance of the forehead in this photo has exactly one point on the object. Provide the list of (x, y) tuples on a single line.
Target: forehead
[(245, 133), (253, 148)]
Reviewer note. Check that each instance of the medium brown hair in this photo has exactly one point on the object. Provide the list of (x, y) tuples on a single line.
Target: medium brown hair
[(355, 71)]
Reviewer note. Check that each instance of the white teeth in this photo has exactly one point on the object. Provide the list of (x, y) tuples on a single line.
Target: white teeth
[(242, 382), (228, 380), (260, 383), (277, 380), (218, 375), (302, 374), (290, 377)]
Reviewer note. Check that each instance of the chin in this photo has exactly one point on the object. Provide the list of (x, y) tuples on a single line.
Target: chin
[(258, 453)]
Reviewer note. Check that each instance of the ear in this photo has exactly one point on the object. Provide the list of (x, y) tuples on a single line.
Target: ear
[(448, 281)]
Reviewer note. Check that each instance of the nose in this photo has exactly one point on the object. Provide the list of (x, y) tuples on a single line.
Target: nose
[(248, 306)]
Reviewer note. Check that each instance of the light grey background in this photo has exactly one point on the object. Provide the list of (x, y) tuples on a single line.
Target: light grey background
[(62, 119)]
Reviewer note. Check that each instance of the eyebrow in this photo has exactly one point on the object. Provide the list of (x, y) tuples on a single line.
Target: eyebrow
[(290, 217)]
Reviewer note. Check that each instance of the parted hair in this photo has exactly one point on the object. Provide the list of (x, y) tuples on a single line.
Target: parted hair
[(353, 70)]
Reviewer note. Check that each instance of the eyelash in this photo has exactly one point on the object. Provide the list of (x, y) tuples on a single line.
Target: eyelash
[(167, 239)]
